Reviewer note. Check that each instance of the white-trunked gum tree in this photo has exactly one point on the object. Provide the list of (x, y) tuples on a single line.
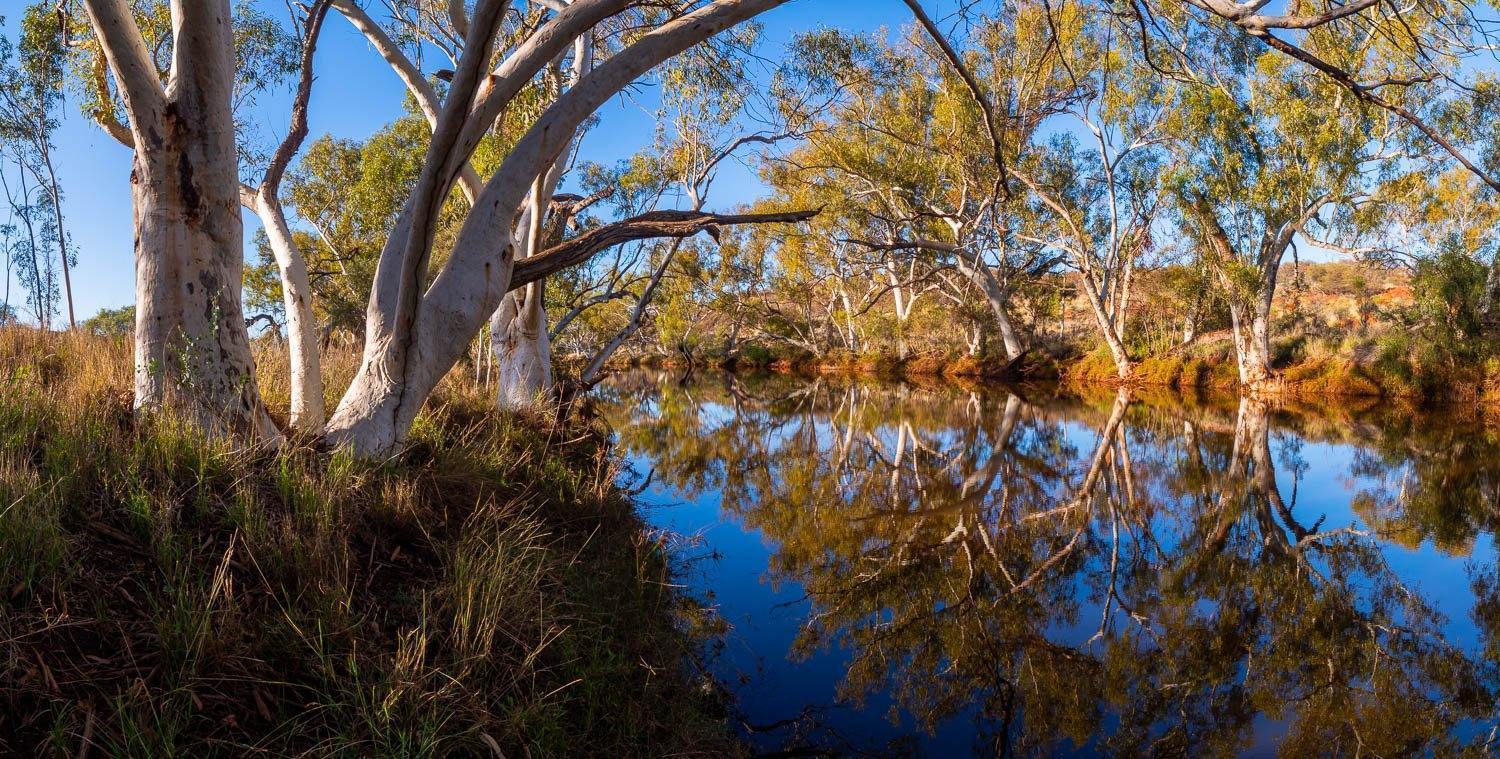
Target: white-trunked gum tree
[(414, 337), (192, 348), (192, 345), (431, 297)]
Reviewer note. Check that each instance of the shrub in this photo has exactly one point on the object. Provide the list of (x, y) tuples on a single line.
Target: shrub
[(1448, 290)]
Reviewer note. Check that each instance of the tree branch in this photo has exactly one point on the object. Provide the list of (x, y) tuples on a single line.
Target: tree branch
[(975, 91), (919, 244), (421, 90), (1260, 28), (297, 130), (644, 226), (104, 115), (135, 74)]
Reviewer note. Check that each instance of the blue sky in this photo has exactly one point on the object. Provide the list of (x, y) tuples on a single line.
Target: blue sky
[(363, 96)]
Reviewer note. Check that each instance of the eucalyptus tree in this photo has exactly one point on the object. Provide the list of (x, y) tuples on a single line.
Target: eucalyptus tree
[(701, 123), (1422, 63), (1263, 159), (31, 235), (869, 160), (264, 199), (904, 162), (1092, 189), (702, 113), (344, 195), (177, 73), (191, 340), (413, 338), (31, 95), (428, 302)]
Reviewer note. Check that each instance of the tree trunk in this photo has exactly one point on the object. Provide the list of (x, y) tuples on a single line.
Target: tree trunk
[(191, 344), (39, 288), (1008, 336), (307, 412), (62, 237), (416, 333), (1253, 338), (192, 349), (998, 298), (1252, 352), (1238, 333), (1106, 325), (523, 351), (1258, 350), (523, 346), (732, 341)]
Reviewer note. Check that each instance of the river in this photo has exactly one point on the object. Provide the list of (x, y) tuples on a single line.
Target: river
[(946, 568)]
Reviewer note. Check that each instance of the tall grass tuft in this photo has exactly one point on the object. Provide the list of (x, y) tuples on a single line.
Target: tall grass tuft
[(163, 594)]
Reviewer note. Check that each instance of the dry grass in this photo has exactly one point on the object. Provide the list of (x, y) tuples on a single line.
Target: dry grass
[(162, 594)]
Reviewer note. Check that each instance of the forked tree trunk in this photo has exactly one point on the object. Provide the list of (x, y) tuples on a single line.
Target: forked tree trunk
[(414, 334), (1250, 328), (1253, 325), (1250, 317), (519, 338), (192, 349), (997, 296), (523, 350)]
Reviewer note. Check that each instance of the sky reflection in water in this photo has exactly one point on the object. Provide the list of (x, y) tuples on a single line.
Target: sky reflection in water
[(945, 569)]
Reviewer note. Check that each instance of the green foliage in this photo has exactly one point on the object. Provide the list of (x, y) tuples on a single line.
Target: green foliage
[(1449, 289), (111, 322)]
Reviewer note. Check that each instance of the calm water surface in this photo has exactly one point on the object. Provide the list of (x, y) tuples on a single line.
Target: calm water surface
[(946, 569)]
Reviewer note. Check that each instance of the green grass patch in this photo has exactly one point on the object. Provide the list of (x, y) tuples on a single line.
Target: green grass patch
[(164, 594)]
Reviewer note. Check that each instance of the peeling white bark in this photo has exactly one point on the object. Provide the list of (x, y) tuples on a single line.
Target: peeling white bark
[(192, 349)]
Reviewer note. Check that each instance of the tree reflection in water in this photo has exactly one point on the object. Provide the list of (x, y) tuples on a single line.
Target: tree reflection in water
[(1105, 575)]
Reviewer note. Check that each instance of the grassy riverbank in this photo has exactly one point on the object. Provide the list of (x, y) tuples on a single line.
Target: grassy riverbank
[(1386, 365), (161, 594)]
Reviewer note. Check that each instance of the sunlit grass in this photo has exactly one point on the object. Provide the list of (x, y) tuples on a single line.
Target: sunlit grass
[(163, 593)]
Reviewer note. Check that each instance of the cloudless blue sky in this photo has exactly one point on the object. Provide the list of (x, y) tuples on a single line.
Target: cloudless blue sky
[(356, 94)]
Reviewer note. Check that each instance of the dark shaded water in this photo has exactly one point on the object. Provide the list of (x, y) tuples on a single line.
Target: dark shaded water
[(945, 570)]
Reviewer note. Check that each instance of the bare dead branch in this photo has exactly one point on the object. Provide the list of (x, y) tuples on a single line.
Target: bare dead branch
[(644, 226)]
